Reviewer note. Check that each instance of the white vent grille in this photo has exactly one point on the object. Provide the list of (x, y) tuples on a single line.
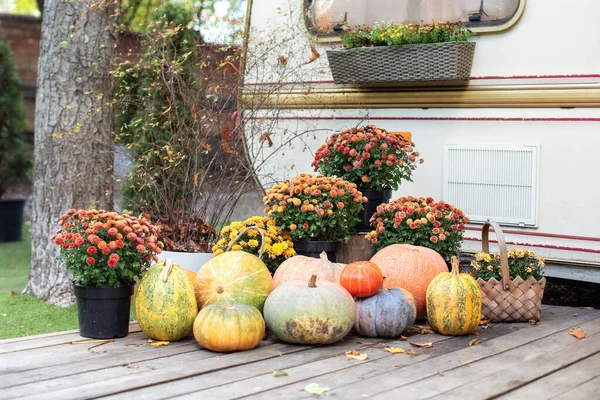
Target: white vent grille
[(488, 181)]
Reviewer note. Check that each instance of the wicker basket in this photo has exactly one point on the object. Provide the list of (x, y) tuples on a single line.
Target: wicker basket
[(509, 300), (407, 63)]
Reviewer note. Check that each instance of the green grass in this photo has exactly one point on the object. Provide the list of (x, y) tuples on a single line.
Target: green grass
[(22, 315)]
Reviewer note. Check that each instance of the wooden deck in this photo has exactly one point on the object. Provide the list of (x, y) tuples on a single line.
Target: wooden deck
[(513, 361)]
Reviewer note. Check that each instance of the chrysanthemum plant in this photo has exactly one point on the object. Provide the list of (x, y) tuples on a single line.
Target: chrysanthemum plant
[(420, 222), (103, 248), (369, 156), (278, 243), (521, 262), (315, 207)]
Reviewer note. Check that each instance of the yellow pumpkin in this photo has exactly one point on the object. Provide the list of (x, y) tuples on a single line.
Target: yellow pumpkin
[(233, 276), (454, 302), (226, 327)]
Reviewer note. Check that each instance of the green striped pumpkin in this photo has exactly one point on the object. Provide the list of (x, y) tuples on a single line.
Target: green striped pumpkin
[(453, 302), (165, 305)]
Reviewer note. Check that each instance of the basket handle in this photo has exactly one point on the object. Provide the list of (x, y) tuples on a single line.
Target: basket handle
[(485, 244), (262, 235)]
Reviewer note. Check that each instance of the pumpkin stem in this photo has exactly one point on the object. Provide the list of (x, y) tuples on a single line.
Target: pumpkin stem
[(168, 268), (455, 266), (383, 280), (312, 282)]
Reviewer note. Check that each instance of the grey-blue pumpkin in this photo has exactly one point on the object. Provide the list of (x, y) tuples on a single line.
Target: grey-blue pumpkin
[(385, 314)]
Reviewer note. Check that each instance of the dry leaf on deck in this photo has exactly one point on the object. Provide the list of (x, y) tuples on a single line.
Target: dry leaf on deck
[(578, 333), (363, 342), (282, 61), (315, 389), (474, 342), (381, 346), (395, 350), (315, 54), (422, 345), (355, 355), (423, 329), (92, 341), (278, 373), (133, 366), (157, 343), (403, 338), (533, 321), (587, 308), (412, 352)]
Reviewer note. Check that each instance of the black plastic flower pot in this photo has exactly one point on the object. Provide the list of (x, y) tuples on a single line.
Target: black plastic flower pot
[(315, 248), (375, 198), (103, 312), (11, 220)]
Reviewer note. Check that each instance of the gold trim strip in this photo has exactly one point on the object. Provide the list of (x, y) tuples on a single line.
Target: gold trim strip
[(531, 96)]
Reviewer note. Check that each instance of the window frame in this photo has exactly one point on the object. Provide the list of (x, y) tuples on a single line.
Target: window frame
[(477, 27)]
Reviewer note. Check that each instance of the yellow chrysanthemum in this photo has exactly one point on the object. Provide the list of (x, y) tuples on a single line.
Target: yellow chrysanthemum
[(253, 243), (278, 248), (218, 251), (236, 247)]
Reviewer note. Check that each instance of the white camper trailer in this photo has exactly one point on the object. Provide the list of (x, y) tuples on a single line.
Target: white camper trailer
[(517, 143)]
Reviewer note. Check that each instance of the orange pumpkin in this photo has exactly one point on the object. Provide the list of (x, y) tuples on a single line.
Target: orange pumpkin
[(301, 268), (361, 278), (411, 268)]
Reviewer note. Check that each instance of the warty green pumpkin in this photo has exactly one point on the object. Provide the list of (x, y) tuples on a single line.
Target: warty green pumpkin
[(454, 302), (165, 304), (230, 326)]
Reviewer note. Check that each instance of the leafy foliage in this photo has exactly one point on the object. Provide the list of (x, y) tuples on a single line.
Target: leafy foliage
[(368, 156), (419, 222), (315, 207), (389, 34), (15, 158), (521, 262)]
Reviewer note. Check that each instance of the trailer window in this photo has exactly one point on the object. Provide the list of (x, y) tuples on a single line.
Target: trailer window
[(329, 17)]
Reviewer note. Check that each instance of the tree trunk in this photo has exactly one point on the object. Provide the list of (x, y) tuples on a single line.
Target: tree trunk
[(73, 132)]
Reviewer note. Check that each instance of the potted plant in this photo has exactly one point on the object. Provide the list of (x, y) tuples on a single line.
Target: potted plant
[(278, 243), (318, 211), (15, 158), (403, 53), (419, 222), (375, 160), (106, 252)]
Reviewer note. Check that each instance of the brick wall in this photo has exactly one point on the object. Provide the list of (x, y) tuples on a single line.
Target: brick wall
[(23, 35)]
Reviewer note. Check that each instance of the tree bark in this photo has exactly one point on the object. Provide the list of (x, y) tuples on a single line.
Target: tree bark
[(73, 132)]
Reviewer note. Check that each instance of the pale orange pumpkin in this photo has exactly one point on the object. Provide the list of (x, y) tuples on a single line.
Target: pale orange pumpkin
[(301, 268), (190, 274), (411, 268)]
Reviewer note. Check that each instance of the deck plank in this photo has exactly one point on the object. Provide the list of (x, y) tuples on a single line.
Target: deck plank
[(504, 371), (589, 390), (389, 375), (232, 376), (560, 381)]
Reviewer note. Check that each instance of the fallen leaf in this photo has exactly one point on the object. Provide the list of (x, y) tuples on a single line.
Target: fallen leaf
[(412, 352), (362, 342), (381, 346), (315, 53), (587, 308), (307, 91), (422, 329), (133, 344), (160, 343), (315, 389), (403, 338), (533, 322), (206, 146), (395, 350), (422, 345), (90, 341), (278, 373), (282, 61), (474, 342), (355, 355), (578, 333), (440, 373), (133, 366), (13, 293)]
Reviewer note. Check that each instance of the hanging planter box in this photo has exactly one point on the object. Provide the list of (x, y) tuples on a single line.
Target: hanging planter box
[(408, 63)]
